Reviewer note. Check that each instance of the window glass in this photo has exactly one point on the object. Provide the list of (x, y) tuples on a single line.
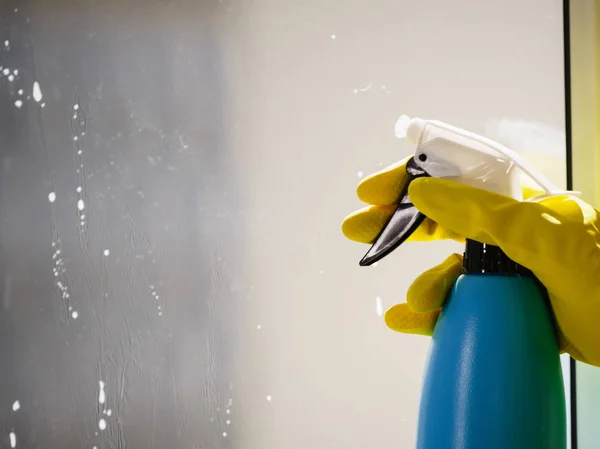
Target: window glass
[(173, 180)]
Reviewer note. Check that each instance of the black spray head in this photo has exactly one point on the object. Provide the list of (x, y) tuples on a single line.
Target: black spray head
[(405, 220)]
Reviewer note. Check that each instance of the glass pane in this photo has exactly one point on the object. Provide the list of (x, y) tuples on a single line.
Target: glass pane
[(585, 35), (174, 177)]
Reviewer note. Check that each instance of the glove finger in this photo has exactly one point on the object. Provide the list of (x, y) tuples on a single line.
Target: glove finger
[(365, 225), (384, 187), (400, 318), (429, 291), (528, 232)]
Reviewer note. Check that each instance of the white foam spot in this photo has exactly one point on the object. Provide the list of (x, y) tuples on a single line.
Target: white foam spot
[(80, 205), (259, 327), (37, 92), (16, 406), (360, 174), (76, 107), (109, 412), (75, 138), (107, 252), (333, 36), (102, 393), (224, 434), (378, 306), (102, 424), (6, 71), (13, 437), (16, 72), (269, 398), (228, 422), (20, 91), (6, 43), (75, 314), (18, 104), (52, 197), (11, 78)]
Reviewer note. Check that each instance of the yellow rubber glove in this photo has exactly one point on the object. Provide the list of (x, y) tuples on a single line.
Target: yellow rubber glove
[(557, 238)]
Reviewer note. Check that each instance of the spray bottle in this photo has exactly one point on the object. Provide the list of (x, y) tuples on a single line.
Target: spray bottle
[(493, 376)]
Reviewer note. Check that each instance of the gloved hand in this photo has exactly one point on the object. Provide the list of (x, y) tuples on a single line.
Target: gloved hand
[(557, 238)]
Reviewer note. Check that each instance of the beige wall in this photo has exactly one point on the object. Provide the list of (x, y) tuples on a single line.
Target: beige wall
[(318, 87)]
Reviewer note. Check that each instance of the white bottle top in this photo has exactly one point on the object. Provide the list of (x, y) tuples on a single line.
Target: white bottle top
[(447, 152)]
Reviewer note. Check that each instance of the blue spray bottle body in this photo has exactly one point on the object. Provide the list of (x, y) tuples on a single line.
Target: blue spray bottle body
[(493, 377)]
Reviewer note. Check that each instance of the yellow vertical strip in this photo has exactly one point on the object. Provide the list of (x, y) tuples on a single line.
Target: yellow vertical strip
[(584, 97), (585, 108)]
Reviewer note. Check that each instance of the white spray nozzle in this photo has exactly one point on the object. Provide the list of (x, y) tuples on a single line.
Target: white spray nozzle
[(444, 151)]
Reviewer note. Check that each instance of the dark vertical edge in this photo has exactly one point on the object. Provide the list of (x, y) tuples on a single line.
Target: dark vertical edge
[(569, 163)]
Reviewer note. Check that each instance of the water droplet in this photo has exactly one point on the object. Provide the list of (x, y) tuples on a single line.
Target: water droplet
[(378, 306), (6, 71), (101, 394), (82, 216), (109, 412), (6, 43), (16, 72), (228, 411), (80, 152), (20, 92), (224, 434), (269, 398), (13, 437), (52, 198), (75, 314), (76, 107), (43, 105), (37, 92), (102, 424), (106, 252), (228, 422), (159, 313), (322, 272), (11, 78), (80, 205), (79, 189), (259, 327), (18, 104), (333, 36), (16, 406), (75, 138)]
